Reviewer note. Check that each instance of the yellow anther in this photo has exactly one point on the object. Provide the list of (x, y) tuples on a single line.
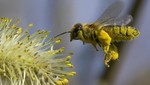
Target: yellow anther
[(66, 81), (51, 39), (70, 53), (71, 74), (70, 65), (68, 58), (18, 21), (19, 30), (13, 26), (67, 62), (58, 40), (61, 49), (59, 83), (10, 20), (49, 51), (30, 25)]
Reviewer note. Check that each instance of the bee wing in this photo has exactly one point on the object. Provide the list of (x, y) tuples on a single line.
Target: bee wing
[(123, 20), (111, 13)]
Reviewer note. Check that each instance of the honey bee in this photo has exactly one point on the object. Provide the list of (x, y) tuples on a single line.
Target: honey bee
[(107, 29)]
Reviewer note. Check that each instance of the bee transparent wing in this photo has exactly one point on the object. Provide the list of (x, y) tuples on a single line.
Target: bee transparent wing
[(111, 13), (124, 20)]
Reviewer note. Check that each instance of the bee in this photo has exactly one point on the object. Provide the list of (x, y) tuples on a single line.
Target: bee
[(110, 27)]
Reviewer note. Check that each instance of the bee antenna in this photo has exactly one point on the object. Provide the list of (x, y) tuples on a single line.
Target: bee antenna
[(62, 34)]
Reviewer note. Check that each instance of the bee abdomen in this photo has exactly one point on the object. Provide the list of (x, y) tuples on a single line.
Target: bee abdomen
[(121, 33)]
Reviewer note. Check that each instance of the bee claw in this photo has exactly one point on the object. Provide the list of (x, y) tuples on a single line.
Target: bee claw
[(97, 49), (95, 46), (83, 43)]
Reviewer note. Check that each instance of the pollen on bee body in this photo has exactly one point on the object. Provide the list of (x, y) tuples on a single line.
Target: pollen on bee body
[(121, 33), (132, 32)]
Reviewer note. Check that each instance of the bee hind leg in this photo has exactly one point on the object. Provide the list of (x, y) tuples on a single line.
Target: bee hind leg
[(105, 48), (112, 54), (107, 59)]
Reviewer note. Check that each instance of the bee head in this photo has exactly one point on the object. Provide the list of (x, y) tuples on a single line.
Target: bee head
[(75, 32)]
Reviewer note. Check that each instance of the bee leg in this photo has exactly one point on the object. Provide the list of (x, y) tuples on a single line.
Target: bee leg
[(107, 59), (112, 54), (105, 48), (104, 40), (83, 43), (95, 46)]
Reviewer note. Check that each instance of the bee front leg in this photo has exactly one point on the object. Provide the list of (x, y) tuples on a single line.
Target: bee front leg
[(104, 47), (83, 43), (94, 44)]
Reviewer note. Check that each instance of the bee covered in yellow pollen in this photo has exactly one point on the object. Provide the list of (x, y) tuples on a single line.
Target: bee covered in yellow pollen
[(110, 27)]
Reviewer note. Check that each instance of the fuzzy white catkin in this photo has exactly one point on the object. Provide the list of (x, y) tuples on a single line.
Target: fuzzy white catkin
[(27, 59)]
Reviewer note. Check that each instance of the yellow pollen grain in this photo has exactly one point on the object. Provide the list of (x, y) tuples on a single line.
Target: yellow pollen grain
[(66, 81), (19, 30)]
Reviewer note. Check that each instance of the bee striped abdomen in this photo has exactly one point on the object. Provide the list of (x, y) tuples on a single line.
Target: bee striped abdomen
[(121, 33)]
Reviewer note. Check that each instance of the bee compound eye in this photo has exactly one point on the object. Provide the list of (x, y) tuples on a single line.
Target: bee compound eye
[(77, 27)]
